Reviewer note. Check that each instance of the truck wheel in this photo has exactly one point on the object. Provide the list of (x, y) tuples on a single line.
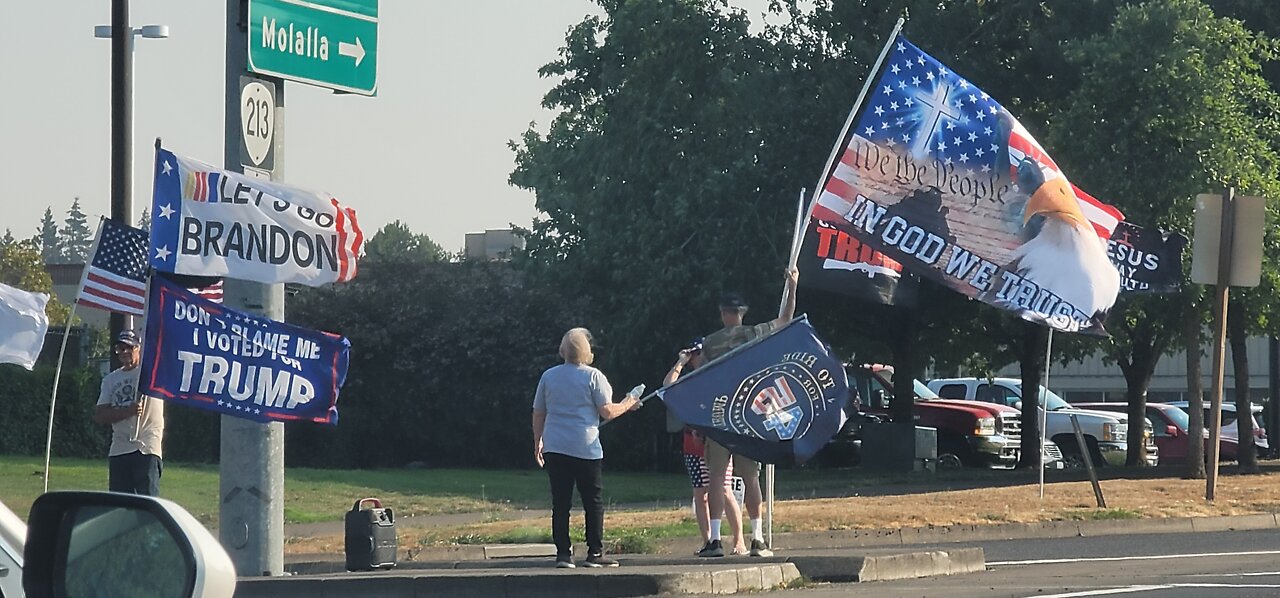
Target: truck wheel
[(1071, 457), (949, 461)]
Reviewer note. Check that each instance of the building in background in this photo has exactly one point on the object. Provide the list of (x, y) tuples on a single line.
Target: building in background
[(66, 285), (1091, 379), (495, 244)]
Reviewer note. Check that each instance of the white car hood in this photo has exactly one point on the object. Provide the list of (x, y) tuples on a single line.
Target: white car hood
[(1107, 415)]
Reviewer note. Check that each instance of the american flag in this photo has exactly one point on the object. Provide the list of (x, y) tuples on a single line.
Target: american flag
[(207, 287), (116, 277), (921, 105)]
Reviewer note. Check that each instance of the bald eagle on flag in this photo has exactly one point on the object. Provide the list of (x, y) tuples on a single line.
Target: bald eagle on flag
[(937, 175)]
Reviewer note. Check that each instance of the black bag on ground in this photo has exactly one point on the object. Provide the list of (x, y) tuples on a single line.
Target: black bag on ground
[(371, 536)]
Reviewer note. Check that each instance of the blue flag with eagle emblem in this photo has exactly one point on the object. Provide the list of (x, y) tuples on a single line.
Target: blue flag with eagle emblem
[(941, 178), (779, 399)]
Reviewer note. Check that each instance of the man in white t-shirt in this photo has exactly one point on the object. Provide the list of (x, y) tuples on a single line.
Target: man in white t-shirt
[(137, 424)]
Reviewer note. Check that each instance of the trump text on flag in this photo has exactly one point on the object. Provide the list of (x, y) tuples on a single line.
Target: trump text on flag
[(216, 358)]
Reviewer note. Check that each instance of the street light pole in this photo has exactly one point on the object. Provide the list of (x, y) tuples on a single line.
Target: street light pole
[(123, 38), (121, 132)]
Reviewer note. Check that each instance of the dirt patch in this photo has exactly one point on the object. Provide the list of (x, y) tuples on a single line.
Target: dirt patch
[(924, 506)]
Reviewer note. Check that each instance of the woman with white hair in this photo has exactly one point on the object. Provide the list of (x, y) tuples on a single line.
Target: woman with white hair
[(571, 401)]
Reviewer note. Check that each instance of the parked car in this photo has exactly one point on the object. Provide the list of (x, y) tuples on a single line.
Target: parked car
[(1170, 424), (978, 435), (110, 544), (1105, 433), (1231, 428)]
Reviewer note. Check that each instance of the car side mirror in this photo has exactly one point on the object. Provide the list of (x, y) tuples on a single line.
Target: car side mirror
[(1017, 405), (1171, 430), (110, 544)]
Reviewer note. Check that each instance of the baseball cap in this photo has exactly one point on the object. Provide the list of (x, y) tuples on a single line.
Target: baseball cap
[(732, 301), (127, 337)]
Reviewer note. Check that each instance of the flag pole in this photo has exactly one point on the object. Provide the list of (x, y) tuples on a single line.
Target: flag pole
[(1044, 411), (844, 133), (53, 399), (137, 428), (57, 373)]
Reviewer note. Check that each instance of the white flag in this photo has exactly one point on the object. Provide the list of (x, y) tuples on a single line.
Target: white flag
[(23, 325)]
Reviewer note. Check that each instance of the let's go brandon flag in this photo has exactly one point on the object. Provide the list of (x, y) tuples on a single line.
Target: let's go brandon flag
[(777, 400), (939, 177), (211, 222)]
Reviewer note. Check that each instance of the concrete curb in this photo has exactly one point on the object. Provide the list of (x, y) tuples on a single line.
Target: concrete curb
[(866, 538), (555, 582)]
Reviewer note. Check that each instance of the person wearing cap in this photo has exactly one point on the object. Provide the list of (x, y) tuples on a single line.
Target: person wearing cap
[(734, 334), (137, 424)]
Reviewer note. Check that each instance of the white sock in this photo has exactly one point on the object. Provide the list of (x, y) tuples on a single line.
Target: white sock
[(715, 529), (757, 530)]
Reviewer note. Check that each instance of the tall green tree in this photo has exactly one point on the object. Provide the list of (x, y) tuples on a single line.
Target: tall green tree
[(75, 237), (396, 243), (47, 238), (22, 267), (1171, 103)]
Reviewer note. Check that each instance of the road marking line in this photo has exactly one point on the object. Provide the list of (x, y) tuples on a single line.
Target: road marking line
[(1135, 589), (1255, 574), (1126, 590), (1155, 557)]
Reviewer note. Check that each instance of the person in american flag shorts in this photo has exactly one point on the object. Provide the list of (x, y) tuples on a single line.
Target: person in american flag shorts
[(695, 464)]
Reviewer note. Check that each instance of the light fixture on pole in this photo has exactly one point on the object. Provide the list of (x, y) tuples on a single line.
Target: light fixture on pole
[(147, 32)]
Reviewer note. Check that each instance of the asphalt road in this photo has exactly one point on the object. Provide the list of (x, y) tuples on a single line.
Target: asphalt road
[(1221, 565)]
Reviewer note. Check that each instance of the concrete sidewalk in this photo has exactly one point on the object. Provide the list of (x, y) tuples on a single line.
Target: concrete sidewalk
[(637, 576), (852, 555)]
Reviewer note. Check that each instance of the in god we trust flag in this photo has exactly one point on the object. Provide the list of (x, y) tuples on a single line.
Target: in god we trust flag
[(941, 178), (210, 222), (201, 354)]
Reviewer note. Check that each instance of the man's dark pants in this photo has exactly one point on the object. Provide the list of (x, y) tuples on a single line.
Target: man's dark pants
[(135, 473), (564, 472)]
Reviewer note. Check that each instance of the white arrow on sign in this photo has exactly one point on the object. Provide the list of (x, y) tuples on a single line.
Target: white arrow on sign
[(355, 50)]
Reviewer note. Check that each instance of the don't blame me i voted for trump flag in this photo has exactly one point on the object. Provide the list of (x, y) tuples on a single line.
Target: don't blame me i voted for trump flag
[(211, 222), (778, 400), (204, 355), (938, 176)]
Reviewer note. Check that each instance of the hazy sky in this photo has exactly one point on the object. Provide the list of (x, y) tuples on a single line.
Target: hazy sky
[(456, 80)]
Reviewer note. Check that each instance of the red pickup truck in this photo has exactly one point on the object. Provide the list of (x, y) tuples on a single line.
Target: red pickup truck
[(969, 433)]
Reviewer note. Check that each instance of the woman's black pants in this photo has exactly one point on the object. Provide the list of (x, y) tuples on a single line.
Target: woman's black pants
[(564, 472)]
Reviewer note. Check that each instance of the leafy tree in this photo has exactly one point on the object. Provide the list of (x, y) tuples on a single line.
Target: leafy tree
[(444, 360), (395, 243), (144, 221), (22, 267), (75, 237), (47, 238), (1171, 102)]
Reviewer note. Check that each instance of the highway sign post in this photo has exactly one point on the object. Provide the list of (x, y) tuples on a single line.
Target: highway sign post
[(257, 123), (327, 43)]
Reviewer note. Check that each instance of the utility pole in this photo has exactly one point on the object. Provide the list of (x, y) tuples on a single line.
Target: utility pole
[(251, 456), (121, 136)]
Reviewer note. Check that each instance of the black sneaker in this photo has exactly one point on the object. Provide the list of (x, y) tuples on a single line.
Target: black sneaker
[(712, 549), (564, 561), (598, 560), (759, 548)]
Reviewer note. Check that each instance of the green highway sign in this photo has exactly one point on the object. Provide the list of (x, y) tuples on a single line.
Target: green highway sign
[(329, 43)]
